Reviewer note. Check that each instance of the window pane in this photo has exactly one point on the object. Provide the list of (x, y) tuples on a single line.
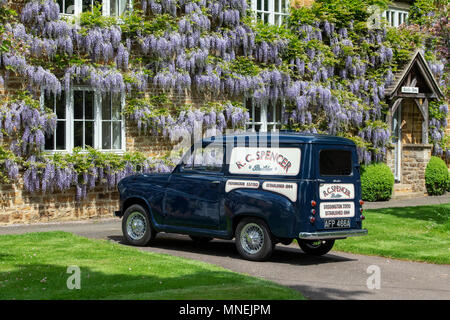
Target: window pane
[(61, 5), (117, 135), (78, 104), (60, 135), (106, 107), (266, 5), (116, 106), (61, 106), (277, 20), (259, 5), (266, 18), (122, 6), (86, 5), (89, 133), (49, 142), (257, 112), (277, 6), (89, 105), (70, 7), (335, 162), (78, 134), (112, 7), (283, 6), (49, 101), (106, 135)]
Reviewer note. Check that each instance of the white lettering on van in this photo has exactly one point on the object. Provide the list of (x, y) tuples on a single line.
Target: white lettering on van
[(287, 189)]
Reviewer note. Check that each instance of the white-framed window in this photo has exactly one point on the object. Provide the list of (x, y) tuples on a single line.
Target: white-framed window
[(395, 17), (57, 104), (86, 118), (263, 118), (271, 11), (109, 7)]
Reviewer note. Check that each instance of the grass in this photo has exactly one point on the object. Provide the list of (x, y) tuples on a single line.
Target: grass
[(411, 233), (34, 266)]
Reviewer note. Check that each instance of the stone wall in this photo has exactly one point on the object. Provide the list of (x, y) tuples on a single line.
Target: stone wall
[(20, 206), (415, 158)]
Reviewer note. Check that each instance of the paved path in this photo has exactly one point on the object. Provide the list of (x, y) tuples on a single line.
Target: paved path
[(336, 275), (413, 202)]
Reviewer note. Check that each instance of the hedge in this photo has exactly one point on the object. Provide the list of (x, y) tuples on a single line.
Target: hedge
[(436, 176), (377, 182)]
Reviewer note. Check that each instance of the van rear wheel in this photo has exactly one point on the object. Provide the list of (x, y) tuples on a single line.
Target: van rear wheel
[(316, 247), (253, 240)]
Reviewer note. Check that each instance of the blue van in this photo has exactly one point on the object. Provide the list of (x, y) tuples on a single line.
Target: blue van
[(261, 189)]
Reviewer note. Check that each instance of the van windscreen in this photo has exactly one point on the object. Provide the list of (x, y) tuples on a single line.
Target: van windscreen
[(333, 162)]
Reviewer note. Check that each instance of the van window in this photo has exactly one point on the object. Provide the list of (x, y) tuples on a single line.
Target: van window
[(335, 162), (209, 158)]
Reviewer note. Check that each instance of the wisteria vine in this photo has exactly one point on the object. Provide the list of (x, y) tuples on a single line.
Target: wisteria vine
[(327, 76)]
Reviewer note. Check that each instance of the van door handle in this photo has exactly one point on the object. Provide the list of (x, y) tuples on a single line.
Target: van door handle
[(214, 183)]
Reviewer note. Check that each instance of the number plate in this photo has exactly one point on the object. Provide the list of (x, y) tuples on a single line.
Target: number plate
[(336, 223)]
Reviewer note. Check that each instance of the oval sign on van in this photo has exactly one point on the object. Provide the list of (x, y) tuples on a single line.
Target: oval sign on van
[(332, 191), (265, 161)]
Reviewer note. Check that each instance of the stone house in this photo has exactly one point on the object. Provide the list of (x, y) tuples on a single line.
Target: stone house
[(87, 118)]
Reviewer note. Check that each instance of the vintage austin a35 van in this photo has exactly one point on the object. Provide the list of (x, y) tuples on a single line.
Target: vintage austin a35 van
[(260, 189)]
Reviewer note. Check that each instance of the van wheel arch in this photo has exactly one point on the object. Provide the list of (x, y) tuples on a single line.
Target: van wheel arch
[(131, 201)]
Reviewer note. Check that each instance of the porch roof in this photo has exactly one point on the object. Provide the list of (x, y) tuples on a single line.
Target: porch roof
[(400, 76)]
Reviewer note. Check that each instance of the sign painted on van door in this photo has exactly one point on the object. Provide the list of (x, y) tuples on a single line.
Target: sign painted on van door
[(241, 184), (265, 161), (337, 209), (330, 191), (287, 189)]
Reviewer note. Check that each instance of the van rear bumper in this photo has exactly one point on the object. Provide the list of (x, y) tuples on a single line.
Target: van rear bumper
[(332, 234)]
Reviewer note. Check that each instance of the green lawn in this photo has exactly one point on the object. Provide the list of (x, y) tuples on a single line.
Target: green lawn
[(413, 233), (34, 266)]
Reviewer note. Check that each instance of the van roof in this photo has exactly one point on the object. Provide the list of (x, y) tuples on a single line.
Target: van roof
[(285, 137)]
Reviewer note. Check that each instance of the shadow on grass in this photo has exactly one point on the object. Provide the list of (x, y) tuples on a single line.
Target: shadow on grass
[(170, 243), (48, 281), (438, 213)]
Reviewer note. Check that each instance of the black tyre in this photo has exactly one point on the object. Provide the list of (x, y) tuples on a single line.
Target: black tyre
[(200, 239), (136, 226), (253, 240), (316, 247)]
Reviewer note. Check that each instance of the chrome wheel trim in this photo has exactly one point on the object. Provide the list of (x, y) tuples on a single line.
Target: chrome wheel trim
[(252, 238), (136, 225)]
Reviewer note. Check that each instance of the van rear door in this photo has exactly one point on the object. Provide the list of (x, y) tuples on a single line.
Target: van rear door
[(338, 187)]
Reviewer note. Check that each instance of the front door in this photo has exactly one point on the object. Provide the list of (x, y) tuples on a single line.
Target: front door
[(193, 197)]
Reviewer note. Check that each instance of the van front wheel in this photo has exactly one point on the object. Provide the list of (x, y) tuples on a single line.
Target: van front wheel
[(253, 240), (316, 247)]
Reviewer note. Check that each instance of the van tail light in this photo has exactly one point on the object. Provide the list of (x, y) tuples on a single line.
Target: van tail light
[(362, 217), (313, 211), (312, 219), (313, 203), (361, 210), (361, 202)]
